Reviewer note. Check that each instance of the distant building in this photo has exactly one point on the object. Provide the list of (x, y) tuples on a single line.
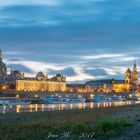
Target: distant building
[(135, 77), (3, 73), (111, 85), (76, 88), (17, 80), (41, 83), (104, 85), (3, 68)]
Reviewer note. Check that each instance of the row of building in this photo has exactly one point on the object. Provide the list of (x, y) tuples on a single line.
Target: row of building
[(129, 84), (40, 83), (17, 80)]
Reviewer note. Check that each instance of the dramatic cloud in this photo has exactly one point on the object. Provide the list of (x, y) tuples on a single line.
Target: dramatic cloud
[(83, 39)]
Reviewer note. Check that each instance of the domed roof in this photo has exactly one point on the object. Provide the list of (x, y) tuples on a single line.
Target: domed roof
[(16, 72), (40, 74), (58, 75), (128, 70)]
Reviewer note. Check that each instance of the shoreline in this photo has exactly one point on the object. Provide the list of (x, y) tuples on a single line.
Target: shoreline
[(39, 121), (60, 107)]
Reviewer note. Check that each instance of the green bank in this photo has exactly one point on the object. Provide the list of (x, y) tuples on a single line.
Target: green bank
[(103, 123)]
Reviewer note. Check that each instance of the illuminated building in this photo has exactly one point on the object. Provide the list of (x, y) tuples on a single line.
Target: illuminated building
[(104, 85), (135, 77), (111, 85), (3, 73), (17, 80), (76, 88), (41, 83)]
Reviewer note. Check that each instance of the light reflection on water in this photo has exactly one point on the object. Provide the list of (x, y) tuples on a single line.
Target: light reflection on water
[(52, 107)]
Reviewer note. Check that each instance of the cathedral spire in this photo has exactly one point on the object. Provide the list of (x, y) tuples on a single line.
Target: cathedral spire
[(0, 54), (135, 76), (134, 62), (135, 66)]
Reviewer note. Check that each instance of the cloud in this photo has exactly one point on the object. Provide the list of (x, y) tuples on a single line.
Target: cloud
[(96, 72), (67, 71), (84, 39), (19, 67), (12, 53), (75, 73), (81, 75), (31, 2), (102, 56), (125, 59)]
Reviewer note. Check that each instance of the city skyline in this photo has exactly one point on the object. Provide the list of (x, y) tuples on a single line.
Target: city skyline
[(84, 40)]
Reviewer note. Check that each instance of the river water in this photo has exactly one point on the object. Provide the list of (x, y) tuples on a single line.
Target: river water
[(52, 107)]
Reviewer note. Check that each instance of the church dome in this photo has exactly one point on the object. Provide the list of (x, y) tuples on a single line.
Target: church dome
[(40, 74), (58, 75), (16, 72)]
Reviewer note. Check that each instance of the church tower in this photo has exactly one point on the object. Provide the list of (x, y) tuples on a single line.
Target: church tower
[(128, 80), (135, 76), (0, 54), (128, 76), (3, 68)]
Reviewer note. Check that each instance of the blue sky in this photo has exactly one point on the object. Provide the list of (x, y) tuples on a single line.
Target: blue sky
[(82, 39)]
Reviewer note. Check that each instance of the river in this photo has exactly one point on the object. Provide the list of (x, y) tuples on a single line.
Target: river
[(52, 107)]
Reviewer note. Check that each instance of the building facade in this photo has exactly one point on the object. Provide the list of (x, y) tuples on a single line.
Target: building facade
[(76, 88), (17, 80), (135, 77), (41, 83), (3, 68), (129, 84)]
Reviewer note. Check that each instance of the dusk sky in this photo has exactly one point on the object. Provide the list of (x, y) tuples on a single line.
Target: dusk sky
[(82, 39)]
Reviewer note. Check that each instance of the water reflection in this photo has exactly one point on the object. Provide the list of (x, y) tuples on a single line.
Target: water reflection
[(4, 110), (52, 107), (18, 108), (91, 105)]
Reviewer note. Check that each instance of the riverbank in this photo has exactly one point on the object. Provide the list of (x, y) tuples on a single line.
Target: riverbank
[(35, 95), (119, 123)]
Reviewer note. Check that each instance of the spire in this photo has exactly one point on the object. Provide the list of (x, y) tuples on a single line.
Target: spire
[(135, 66), (134, 62)]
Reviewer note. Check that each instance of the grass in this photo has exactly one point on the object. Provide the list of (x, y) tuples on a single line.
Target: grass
[(104, 122), (110, 128), (40, 130)]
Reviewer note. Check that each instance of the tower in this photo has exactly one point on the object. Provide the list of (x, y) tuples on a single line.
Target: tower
[(0, 55), (128, 76), (135, 76), (128, 80), (3, 68)]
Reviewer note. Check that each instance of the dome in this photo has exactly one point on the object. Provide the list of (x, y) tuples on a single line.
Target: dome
[(16, 72), (58, 75), (40, 74)]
